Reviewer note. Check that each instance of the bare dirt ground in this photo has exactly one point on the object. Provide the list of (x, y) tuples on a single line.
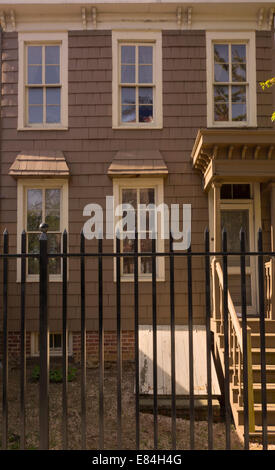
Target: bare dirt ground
[(128, 416)]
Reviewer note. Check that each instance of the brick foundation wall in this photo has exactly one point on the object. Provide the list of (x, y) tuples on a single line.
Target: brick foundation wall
[(110, 345)]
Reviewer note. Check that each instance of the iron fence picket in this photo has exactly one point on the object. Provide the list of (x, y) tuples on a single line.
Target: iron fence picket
[(172, 333), (5, 412), (119, 355), (43, 341), (262, 340), (244, 339), (208, 340), (191, 350), (100, 346), (155, 352), (23, 343), (64, 343), (136, 302), (226, 343), (83, 342)]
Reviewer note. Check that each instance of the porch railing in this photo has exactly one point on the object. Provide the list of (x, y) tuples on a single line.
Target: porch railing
[(232, 332), (269, 286)]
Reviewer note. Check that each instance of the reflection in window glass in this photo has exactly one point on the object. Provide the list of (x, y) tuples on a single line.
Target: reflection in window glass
[(44, 102), (230, 96), (44, 205), (136, 69), (146, 220)]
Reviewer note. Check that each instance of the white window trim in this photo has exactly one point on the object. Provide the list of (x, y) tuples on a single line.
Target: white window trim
[(22, 186), (53, 353), (233, 36), (157, 184), (135, 37), (25, 39)]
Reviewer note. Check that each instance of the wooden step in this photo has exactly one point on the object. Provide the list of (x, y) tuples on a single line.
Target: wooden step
[(258, 414), (256, 369), (257, 388), (269, 356), (255, 340), (257, 434), (254, 324)]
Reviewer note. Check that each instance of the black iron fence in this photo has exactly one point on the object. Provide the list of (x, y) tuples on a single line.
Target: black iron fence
[(171, 255)]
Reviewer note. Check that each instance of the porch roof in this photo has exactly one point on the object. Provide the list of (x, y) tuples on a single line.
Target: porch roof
[(50, 163), (138, 162), (235, 154)]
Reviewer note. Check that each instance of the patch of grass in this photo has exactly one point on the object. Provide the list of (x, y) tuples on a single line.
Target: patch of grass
[(55, 375)]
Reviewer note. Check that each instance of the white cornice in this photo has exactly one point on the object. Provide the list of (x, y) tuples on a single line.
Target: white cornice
[(29, 15)]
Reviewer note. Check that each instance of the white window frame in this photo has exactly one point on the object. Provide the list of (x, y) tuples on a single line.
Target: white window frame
[(22, 186), (242, 37), (136, 38), (53, 352), (24, 40), (137, 183)]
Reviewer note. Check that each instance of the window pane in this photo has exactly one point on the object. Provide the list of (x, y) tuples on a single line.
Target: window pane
[(35, 114), (238, 52), (238, 112), (226, 191), (53, 96), (146, 261), (145, 114), (145, 74), (238, 72), (34, 209), (34, 74), (233, 221), (220, 93), (52, 55), (145, 95), (128, 73), (128, 54), (128, 261), (128, 95), (128, 114), (52, 74), (53, 114), (33, 247), (129, 196), (52, 209), (221, 53), (36, 96), (238, 94), (221, 112), (147, 196), (54, 246), (241, 191), (35, 55), (145, 54), (221, 73)]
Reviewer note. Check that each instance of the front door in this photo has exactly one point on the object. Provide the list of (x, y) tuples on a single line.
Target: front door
[(235, 216)]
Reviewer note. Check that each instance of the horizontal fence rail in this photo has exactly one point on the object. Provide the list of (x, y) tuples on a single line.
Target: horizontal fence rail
[(235, 355)]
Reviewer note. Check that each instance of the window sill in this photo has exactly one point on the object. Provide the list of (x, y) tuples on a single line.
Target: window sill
[(137, 128), (140, 279), (57, 128)]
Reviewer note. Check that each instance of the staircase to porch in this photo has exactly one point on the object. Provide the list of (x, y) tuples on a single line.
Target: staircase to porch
[(236, 389)]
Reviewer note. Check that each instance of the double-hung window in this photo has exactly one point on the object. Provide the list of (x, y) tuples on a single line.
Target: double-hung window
[(145, 197), (231, 79), (42, 201), (137, 83), (43, 82)]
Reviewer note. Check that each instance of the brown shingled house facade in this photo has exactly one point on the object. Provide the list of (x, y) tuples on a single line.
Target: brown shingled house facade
[(154, 102)]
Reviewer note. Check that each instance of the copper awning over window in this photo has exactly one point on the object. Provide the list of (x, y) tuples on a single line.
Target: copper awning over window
[(52, 163), (137, 162)]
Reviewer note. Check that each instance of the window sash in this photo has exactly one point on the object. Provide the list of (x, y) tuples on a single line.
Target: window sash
[(136, 85), (44, 85), (230, 83), (142, 261)]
